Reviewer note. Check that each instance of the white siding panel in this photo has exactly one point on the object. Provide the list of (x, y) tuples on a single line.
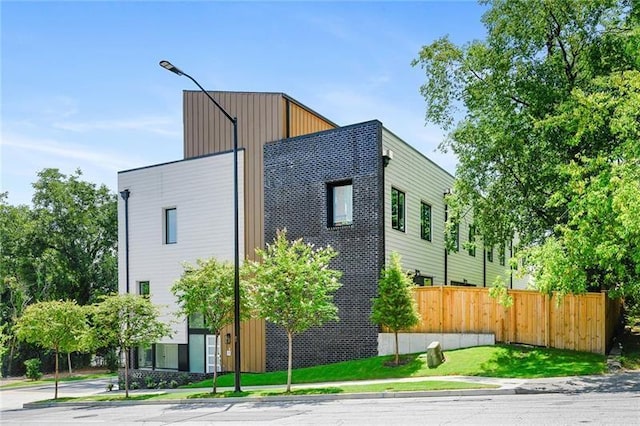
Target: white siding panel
[(201, 190)]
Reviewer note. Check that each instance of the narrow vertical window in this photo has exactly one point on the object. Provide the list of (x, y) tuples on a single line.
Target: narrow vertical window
[(454, 235), (490, 254), (170, 226), (501, 255), (143, 288), (425, 221), (472, 240), (340, 204), (397, 210)]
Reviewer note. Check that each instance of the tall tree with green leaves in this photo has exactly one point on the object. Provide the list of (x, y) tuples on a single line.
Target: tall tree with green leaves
[(293, 287), (207, 289), (395, 307), (128, 321), (514, 105), (74, 238), (60, 326)]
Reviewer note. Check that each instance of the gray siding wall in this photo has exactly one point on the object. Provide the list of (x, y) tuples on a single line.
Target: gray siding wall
[(297, 172), (423, 181)]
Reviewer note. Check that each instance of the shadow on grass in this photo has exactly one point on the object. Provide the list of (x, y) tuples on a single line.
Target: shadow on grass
[(309, 391), (228, 394), (530, 362)]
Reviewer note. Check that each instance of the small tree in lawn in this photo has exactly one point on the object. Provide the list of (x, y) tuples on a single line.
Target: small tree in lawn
[(395, 307), (56, 325), (208, 289), (293, 287), (128, 321)]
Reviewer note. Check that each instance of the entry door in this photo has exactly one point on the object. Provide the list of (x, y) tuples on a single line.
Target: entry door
[(213, 360)]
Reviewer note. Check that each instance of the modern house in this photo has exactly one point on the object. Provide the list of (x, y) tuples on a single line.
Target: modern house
[(359, 188)]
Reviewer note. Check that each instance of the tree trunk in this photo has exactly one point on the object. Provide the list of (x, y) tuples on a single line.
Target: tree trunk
[(397, 349), (69, 362), (215, 362), (11, 352), (290, 362), (56, 376), (126, 373)]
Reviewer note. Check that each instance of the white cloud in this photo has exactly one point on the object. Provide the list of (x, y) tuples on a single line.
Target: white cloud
[(163, 126), (68, 151)]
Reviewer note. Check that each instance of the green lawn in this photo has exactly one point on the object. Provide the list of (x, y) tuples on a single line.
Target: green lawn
[(62, 378), (426, 385), (490, 361)]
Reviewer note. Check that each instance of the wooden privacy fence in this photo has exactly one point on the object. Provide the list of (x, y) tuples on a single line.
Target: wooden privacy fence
[(580, 322)]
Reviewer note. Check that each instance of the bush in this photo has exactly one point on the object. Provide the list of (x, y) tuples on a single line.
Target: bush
[(149, 382), (173, 384), (34, 368), (111, 360), (162, 384), (133, 386)]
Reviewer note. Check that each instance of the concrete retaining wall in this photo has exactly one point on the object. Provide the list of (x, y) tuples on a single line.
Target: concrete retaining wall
[(418, 342)]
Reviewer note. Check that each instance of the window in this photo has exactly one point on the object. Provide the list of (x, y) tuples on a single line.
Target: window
[(143, 288), (454, 235), (167, 356), (501, 255), (422, 280), (145, 356), (472, 241), (170, 226), (490, 254), (340, 204), (397, 209), (425, 221)]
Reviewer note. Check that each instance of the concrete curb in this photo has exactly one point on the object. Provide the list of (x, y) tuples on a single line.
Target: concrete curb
[(283, 398)]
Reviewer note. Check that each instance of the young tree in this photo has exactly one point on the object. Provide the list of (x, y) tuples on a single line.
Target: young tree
[(56, 325), (208, 290), (395, 306), (293, 287), (128, 321), (525, 92)]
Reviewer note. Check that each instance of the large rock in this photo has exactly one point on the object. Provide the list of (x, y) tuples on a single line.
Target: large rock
[(434, 355)]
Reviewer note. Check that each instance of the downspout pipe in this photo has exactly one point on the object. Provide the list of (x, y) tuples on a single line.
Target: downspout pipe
[(125, 196), (446, 252)]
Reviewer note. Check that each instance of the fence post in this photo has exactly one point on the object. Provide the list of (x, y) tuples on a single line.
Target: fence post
[(547, 314), (441, 309)]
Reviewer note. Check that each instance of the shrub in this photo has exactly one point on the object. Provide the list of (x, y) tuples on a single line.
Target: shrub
[(162, 384), (111, 360), (173, 384), (33, 367), (149, 382), (133, 386)]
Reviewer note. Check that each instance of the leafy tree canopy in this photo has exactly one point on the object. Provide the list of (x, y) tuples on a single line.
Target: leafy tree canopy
[(536, 113), (208, 289), (128, 321), (60, 326), (293, 287)]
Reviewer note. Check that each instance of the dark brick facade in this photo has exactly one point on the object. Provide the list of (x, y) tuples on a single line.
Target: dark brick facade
[(297, 172)]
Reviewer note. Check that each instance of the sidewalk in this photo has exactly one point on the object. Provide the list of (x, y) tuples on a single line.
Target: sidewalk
[(618, 382)]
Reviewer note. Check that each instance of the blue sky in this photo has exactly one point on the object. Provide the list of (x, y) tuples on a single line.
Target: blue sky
[(81, 86)]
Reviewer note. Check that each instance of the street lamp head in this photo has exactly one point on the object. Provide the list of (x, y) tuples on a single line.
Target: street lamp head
[(167, 65)]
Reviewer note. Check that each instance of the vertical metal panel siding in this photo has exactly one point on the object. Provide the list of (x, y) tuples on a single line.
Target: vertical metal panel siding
[(302, 121), (261, 119), (207, 130)]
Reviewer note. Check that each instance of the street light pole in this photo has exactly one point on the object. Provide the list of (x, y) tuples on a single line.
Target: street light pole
[(236, 279)]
